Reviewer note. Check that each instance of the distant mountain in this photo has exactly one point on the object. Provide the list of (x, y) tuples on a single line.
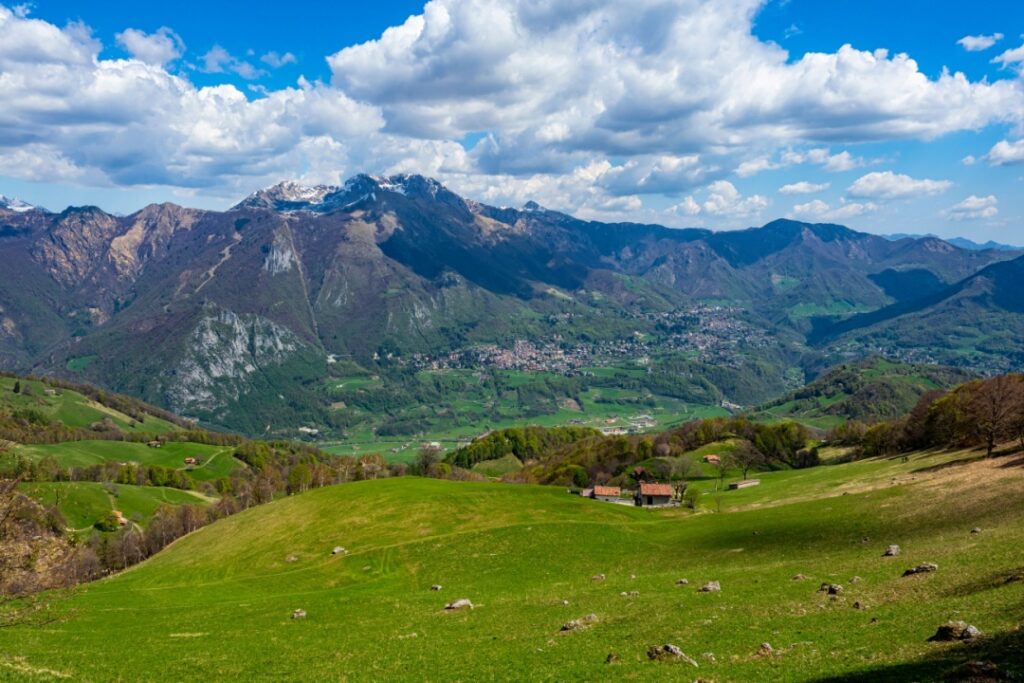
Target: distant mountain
[(239, 318), (14, 204), (977, 321), (962, 242)]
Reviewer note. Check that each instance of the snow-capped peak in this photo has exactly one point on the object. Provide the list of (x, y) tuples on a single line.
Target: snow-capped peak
[(14, 204), (288, 196)]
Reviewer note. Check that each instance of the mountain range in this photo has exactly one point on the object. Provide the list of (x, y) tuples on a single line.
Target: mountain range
[(238, 318)]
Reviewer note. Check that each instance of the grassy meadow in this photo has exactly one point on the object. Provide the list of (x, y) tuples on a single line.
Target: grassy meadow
[(217, 604)]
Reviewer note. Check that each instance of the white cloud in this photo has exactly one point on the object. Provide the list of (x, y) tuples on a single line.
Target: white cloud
[(584, 105), (755, 166), (889, 185), (1010, 58), (156, 48), (725, 200), (1005, 153), (819, 210), (276, 61), (804, 187), (836, 163), (218, 60), (979, 43), (974, 207)]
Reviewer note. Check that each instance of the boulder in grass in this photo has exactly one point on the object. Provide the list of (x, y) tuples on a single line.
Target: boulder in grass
[(923, 568), (975, 531), (799, 577), (461, 603), (436, 587), (669, 652), (891, 551), (597, 577), (955, 630), (766, 650), (579, 624), (338, 550), (831, 588), (682, 582), (710, 587), (612, 658), (299, 614)]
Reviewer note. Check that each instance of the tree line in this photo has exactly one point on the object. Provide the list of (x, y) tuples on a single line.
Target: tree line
[(983, 413)]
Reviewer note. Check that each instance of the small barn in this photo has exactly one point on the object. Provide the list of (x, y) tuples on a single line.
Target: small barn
[(654, 495), (191, 461), (712, 459), (607, 493)]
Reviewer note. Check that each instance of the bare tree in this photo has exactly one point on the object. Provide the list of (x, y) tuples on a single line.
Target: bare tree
[(990, 409), (748, 457)]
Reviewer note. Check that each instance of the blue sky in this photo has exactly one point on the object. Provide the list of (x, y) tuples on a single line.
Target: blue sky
[(723, 114)]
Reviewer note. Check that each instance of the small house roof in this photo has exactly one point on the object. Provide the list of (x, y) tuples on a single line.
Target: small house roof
[(655, 489), (607, 490)]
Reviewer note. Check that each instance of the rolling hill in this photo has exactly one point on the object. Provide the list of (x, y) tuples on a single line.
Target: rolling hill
[(867, 391), (219, 603)]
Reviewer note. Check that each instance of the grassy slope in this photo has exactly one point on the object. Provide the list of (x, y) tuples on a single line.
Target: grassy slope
[(83, 503), (217, 604), (76, 410), (216, 461)]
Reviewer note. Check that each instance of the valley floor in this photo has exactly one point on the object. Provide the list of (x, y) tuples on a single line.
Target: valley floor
[(218, 604)]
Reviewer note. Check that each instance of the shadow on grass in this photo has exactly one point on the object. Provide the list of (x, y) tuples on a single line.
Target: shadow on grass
[(999, 579), (963, 663)]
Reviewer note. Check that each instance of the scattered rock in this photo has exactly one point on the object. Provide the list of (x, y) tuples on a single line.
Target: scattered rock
[(856, 579), (923, 568), (632, 576), (710, 656), (630, 594), (831, 588), (338, 550), (682, 582), (891, 551), (976, 530), (979, 672), (436, 587), (710, 587), (597, 577), (612, 658), (291, 558), (299, 614), (367, 568), (580, 624), (565, 603), (670, 652), (799, 577), (955, 630), (766, 650), (858, 605), (461, 603)]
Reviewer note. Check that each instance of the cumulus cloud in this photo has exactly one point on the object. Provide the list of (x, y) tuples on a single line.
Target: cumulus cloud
[(218, 60), (979, 43), (888, 185), (158, 48), (1011, 58), (725, 200), (276, 61), (804, 187), (586, 105), (974, 207), (819, 210), (1005, 153), (836, 163)]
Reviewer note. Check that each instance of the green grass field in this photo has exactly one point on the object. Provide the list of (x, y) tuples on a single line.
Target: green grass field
[(215, 461), (217, 604), (83, 503), (74, 409)]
